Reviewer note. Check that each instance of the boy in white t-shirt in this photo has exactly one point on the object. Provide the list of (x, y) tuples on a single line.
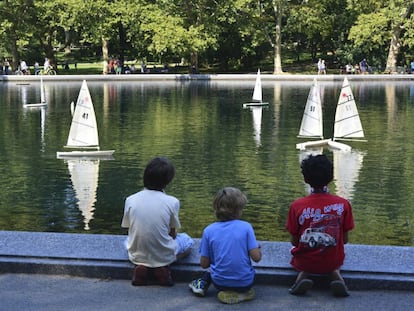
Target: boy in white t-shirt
[(151, 217)]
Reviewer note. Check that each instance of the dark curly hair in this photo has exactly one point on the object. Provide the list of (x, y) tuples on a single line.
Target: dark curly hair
[(317, 170)]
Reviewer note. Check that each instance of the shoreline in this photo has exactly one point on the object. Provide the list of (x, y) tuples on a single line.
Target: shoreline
[(210, 77)]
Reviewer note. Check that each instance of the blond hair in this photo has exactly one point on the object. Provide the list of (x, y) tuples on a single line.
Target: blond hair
[(228, 203)]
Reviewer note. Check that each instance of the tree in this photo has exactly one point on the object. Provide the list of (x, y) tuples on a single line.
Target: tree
[(17, 18), (383, 24)]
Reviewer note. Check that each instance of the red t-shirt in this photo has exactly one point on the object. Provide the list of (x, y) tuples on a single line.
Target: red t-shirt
[(319, 220)]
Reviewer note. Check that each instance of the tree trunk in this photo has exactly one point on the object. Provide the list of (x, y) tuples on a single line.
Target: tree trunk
[(394, 50), (68, 41), (391, 66), (105, 55), (277, 6)]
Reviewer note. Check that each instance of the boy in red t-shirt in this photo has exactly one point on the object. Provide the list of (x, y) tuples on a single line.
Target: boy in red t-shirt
[(319, 225)]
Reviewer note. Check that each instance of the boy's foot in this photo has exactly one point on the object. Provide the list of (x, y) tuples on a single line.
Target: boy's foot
[(140, 276), (301, 287), (339, 288), (231, 297), (163, 276), (198, 287)]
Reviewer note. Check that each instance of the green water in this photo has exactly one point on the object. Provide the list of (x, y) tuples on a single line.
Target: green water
[(202, 127)]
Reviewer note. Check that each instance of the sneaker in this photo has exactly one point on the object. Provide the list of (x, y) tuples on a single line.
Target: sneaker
[(198, 287), (301, 287), (339, 288), (163, 276), (140, 276), (231, 297)]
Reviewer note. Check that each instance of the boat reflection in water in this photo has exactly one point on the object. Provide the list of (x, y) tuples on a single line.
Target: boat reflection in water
[(257, 124), (84, 174), (347, 165)]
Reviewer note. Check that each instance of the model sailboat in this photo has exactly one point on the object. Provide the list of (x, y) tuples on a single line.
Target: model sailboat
[(347, 122), (257, 94), (43, 102), (83, 134)]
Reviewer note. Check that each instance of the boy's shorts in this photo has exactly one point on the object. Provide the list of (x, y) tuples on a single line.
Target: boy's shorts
[(184, 242)]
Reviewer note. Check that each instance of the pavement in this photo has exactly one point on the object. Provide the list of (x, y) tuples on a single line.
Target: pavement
[(39, 292), (62, 271)]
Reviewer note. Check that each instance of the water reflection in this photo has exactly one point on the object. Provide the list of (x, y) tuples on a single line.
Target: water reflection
[(347, 165), (257, 113), (84, 174), (202, 127)]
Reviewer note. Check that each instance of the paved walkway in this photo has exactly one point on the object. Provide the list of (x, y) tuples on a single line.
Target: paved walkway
[(25, 292), (60, 271)]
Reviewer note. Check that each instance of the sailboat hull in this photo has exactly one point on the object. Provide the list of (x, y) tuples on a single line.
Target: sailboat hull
[(247, 105), (85, 154), (35, 105), (323, 143)]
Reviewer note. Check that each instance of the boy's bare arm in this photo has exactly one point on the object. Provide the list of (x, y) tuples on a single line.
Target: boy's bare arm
[(256, 254), (294, 239), (173, 233), (345, 237), (204, 262)]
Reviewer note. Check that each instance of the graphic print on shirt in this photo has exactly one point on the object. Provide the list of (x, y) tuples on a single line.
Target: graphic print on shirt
[(323, 230)]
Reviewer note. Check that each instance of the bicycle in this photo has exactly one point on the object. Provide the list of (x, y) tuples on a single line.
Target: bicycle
[(50, 71)]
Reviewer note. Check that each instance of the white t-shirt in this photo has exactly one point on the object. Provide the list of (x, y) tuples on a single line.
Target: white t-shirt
[(149, 215)]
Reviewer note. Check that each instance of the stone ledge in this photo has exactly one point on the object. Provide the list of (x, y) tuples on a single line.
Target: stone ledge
[(104, 256)]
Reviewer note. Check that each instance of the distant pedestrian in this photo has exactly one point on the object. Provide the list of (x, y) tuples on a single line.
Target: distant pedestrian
[(227, 248), (321, 67), (319, 224), (6, 66), (363, 65)]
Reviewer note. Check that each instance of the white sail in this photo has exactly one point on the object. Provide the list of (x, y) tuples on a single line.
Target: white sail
[(257, 123), (347, 165), (84, 175), (83, 130), (347, 121), (257, 92), (312, 122)]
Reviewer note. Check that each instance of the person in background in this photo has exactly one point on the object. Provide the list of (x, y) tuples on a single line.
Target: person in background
[(36, 68), (227, 248), (6, 66), (319, 224), (151, 216), (24, 68)]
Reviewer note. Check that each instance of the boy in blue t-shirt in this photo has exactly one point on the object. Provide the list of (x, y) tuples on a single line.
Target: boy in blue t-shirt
[(227, 248)]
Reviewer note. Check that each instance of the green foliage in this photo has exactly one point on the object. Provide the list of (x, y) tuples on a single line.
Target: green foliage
[(235, 35)]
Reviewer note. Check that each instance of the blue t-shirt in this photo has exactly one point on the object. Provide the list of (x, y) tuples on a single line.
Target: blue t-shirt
[(227, 244)]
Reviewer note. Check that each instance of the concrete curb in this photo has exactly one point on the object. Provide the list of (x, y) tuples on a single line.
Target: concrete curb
[(104, 256)]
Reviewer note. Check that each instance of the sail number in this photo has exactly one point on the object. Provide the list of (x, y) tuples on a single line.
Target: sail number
[(85, 115)]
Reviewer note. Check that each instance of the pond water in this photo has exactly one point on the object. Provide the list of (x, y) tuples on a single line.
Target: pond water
[(213, 142)]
